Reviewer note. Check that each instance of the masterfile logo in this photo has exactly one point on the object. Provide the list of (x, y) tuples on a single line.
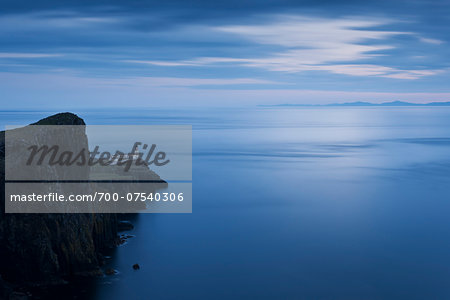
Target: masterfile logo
[(67, 169), (84, 157)]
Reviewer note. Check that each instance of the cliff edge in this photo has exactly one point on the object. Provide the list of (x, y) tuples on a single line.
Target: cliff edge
[(42, 249)]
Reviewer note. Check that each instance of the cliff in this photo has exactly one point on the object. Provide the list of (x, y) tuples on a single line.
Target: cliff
[(41, 249)]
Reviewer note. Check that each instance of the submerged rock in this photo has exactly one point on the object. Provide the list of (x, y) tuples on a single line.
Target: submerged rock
[(124, 226), (110, 271)]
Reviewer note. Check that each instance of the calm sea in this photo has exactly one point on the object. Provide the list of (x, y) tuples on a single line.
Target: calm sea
[(293, 203)]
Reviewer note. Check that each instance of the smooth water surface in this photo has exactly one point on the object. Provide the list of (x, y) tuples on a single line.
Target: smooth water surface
[(294, 203)]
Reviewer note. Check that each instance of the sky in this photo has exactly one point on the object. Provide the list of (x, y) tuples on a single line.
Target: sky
[(58, 54)]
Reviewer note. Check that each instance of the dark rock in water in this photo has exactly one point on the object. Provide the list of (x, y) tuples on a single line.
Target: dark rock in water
[(123, 238), (124, 226), (136, 267), (41, 249), (110, 271)]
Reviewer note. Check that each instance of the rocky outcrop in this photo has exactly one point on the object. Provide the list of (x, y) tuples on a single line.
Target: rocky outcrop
[(49, 248)]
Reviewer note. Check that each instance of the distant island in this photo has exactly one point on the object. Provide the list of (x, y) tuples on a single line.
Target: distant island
[(360, 103)]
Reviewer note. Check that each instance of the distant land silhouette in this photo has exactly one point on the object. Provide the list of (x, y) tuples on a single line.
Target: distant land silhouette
[(360, 103)]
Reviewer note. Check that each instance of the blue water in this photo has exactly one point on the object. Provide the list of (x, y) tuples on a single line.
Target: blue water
[(294, 203)]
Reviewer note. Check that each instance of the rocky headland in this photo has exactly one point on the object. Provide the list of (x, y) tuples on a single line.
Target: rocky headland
[(45, 249)]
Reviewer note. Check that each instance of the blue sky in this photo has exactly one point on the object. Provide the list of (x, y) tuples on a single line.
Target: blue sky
[(187, 53)]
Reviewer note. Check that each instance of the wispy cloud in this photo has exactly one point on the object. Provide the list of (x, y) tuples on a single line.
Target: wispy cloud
[(64, 76), (412, 74), (314, 44), (26, 55), (181, 82), (160, 91), (55, 20), (430, 41)]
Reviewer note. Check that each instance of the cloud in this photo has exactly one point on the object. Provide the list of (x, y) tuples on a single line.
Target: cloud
[(85, 92), (313, 33), (313, 44), (53, 20), (359, 46), (63, 77), (412, 74), (161, 63), (430, 41), (26, 55), (181, 82)]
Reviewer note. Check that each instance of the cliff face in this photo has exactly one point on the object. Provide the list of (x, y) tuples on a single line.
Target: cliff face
[(46, 248)]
